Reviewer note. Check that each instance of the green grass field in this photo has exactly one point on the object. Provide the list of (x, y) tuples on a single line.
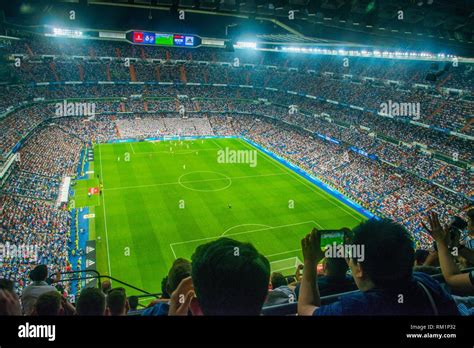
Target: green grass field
[(171, 196)]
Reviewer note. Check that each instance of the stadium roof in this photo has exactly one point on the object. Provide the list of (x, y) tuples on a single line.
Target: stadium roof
[(423, 25)]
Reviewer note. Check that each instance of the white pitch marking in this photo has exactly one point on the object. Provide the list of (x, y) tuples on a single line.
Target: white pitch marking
[(174, 254), (307, 184), (283, 269), (105, 216), (243, 225), (178, 152), (132, 148), (195, 181), (285, 252), (245, 232)]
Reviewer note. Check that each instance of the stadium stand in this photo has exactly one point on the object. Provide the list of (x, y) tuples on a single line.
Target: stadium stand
[(396, 169)]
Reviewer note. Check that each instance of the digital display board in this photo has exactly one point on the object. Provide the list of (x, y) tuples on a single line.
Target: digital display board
[(163, 39), (149, 38), (137, 37), (178, 40), (143, 37), (183, 40)]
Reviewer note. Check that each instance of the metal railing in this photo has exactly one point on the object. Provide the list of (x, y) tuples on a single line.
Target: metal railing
[(281, 310), (99, 276)]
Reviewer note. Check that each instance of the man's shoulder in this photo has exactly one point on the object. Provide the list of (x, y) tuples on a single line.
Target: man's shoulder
[(344, 305), (33, 288), (470, 243), (159, 309), (429, 282), (284, 288)]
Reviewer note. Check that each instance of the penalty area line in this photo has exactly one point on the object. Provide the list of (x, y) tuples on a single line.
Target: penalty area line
[(245, 232), (105, 215)]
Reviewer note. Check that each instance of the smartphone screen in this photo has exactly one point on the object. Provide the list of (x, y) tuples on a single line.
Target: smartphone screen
[(328, 237)]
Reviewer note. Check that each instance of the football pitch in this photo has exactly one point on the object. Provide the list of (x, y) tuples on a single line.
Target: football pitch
[(161, 200)]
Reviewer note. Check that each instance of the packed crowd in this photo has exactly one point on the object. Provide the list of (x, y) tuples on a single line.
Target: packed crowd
[(30, 216), (390, 69), (322, 76), (162, 126), (216, 282), (403, 183), (39, 225), (168, 98), (378, 186)]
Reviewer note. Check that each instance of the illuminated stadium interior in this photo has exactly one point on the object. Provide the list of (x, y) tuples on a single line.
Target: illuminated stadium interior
[(220, 149)]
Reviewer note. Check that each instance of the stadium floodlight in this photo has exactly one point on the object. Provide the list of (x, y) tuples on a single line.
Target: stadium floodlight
[(245, 44), (67, 32), (367, 53)]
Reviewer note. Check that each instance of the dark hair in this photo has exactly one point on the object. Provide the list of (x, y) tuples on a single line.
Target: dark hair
[(164, 284), (116, 301), (230, 278), (388, 252), (336, 267), (106, 286), (421, 255), (6, 284), (277, 280), (470, 212), (133, 302), (91, 302), (39, 273), (180, 269), (48, 303)]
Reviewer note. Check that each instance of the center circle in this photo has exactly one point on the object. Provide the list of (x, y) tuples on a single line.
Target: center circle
[(205, 181)]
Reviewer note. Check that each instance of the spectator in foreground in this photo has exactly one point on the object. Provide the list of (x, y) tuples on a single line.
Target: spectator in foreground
[(38, 287), (49, 304), (117, 303), (91, 302), (6, 284), (459, 282), (228, 278), (383, 274), (425, 262), (281, 293), (106, 286), (133, 303), (9, 303), (421, 256), (335, 277), (164, 292), (180, 270), (469, 242)]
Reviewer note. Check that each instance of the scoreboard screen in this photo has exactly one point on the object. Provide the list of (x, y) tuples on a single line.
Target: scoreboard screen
[(183, 40), (143, 37), (163, 39)]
